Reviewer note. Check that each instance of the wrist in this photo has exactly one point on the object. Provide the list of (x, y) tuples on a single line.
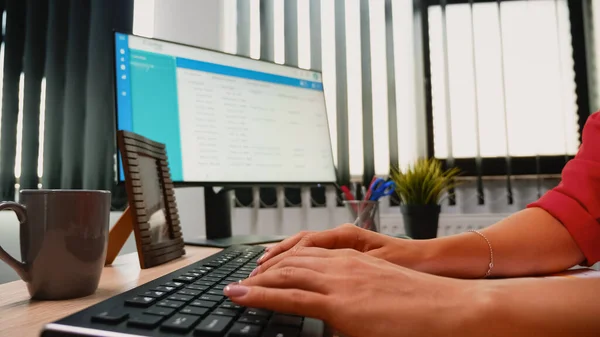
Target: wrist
[(408, 253), (477, 303), (461, 307), (464, 256), (426, 255)]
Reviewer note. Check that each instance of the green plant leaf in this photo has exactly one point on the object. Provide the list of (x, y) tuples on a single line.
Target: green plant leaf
[(424, 182)]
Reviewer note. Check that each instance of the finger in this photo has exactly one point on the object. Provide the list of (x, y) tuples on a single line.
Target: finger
[(281, 247), (292, 278), (297, 251), (291, 301), (316, 264), (345, 236), (321, 264)]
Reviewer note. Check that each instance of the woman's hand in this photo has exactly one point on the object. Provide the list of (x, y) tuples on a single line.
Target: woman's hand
[(358, 294), (399, 251)]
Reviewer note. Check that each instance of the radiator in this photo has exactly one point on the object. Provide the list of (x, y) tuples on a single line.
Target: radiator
[(449, 224)]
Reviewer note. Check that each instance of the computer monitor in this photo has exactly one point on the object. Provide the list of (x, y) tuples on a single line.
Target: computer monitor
[(226, 120)]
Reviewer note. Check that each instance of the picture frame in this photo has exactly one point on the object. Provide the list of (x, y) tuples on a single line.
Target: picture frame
[(152, 211)]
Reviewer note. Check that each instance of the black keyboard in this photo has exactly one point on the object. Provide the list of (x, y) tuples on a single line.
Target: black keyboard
[(188, 302)]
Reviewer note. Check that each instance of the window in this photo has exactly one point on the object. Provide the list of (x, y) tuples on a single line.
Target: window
[(503, 80)]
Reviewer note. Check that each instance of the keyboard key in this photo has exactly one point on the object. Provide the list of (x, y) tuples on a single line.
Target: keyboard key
[(171, 304), (214, 298), (180, 323), (244, 330), (219, 287), (215, 292), (203, 283), (191, 310), (230, 305), (160, 311), (182, 298), (155, 294), (162, 288), (213, 264), (198, 288), (140, 301), (280, 319), (257, 312), (213, 326), (189, 292), (234, 279), (112, 316), (234, 265), (240, 275), (225, 312), (184, 279), (211, 279), (227, 268), (145, 321), (281, 331), (204, 304), (253, 320), (173, 284), (192, 274)]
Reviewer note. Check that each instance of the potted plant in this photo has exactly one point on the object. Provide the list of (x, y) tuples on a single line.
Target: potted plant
[(421, 188)]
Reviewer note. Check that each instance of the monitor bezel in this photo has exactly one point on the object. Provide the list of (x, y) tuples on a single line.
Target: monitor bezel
[(226, 184)]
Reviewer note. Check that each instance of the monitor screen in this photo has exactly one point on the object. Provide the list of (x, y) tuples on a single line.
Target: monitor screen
[(223, 118)]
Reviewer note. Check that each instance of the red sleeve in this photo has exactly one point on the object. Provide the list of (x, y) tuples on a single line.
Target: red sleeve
[(575, 202)]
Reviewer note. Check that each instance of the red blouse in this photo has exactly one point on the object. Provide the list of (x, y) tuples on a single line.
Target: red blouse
[(575, 202)]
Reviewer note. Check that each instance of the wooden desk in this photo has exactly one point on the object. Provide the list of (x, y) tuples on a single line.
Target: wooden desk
[(22, 317)]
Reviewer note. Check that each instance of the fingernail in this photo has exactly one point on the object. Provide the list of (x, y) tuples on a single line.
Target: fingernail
[(254, 272), (261, 259), (267, 249), (235, 290)]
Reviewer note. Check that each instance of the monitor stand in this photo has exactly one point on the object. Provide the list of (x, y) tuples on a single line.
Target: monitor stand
[(217, 207)]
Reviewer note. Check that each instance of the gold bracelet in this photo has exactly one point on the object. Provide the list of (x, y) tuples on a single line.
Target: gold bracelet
[(491, 265)]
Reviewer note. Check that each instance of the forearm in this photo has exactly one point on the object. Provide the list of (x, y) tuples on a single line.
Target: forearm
[(529, 242), (533, 307)]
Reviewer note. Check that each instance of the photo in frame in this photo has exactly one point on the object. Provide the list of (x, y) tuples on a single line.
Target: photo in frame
[(152, 206)]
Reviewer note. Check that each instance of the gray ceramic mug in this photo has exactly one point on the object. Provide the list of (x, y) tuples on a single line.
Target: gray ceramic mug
[(64, 237)]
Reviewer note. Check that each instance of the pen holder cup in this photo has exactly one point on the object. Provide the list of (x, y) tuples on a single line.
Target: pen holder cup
[(364, 214)]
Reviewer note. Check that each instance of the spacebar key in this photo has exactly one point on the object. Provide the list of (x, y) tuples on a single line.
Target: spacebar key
[(213, 325)]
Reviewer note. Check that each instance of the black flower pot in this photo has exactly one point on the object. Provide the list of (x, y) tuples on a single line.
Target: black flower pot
[(421, 221)]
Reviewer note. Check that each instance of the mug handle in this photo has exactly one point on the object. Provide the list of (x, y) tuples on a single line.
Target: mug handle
[(21, 213)]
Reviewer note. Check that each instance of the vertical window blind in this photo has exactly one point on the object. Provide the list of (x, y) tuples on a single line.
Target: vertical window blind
[(497, 69), (593, 27), (365, 50), (509, 88), (56, 94), (496, 72)]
